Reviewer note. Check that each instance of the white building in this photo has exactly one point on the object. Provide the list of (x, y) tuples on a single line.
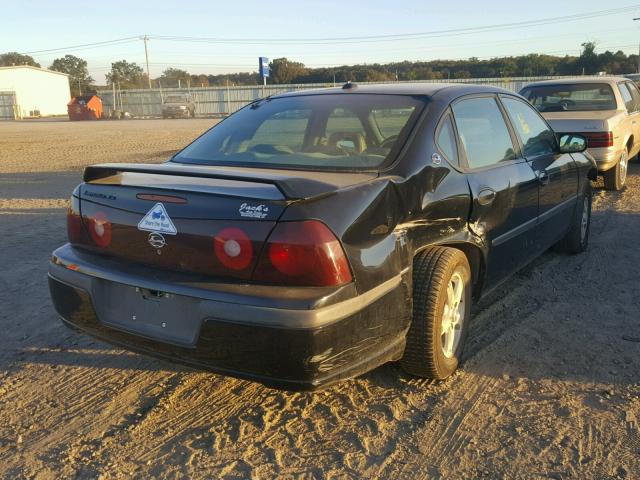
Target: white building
[(33, 91)]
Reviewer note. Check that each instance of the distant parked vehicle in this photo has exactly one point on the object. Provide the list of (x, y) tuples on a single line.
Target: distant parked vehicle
[(606, 110), (178, 105), (86, 107)]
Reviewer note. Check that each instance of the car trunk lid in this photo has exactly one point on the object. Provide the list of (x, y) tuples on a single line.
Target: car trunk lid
[(206, 220), (579, 122)]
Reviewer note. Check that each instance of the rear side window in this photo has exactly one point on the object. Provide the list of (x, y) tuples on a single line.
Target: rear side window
[(635, 96), (536, 136), (626, 97), (483, 132), (446, 140)]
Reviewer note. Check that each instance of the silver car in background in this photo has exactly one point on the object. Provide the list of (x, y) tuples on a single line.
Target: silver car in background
[(606, 110)]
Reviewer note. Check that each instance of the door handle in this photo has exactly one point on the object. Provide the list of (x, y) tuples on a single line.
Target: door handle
[(543, 177), (486, 196)]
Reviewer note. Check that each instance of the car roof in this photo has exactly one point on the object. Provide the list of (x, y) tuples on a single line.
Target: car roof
[(611, 80), (425, 89)]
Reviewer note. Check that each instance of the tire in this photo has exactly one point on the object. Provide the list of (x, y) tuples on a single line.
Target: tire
[(577, 238), (615, 178), (434, 269)]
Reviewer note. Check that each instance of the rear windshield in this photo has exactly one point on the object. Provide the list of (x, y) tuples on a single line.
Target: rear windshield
[(576, 97), (311, 132)]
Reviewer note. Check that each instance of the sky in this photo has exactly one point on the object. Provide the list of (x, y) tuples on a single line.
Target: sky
[(312, 32)]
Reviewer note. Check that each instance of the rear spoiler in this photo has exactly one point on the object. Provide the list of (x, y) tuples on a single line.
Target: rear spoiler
[(291, 183)]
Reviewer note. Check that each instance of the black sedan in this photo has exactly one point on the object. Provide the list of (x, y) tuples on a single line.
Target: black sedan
[(313, 236)]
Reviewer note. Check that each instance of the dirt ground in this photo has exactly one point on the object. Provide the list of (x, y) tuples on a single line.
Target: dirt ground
[(549, 388)]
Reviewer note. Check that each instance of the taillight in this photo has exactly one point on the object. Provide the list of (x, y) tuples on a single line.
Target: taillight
[(599, 139), (75, 230), (74, 227), (100, 229), (303, 253), (233, 248)]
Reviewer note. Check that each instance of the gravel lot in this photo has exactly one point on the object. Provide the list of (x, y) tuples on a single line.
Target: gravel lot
[(549, 389)]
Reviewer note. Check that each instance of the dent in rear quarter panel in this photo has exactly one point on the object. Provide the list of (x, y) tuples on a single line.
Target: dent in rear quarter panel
[(364, 218), (443, 203), (437, 196)]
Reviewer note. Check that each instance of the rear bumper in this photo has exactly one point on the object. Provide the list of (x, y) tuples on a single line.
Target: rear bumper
[(606, 158), (291, 348), (175, 113)]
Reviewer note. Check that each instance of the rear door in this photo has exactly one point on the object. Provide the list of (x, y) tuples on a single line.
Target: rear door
[(556, 172), (502, 183), (633, 110)]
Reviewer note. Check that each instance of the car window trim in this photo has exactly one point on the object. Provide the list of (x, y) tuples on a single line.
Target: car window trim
[(520, 142), (448, 114), (462, 152)]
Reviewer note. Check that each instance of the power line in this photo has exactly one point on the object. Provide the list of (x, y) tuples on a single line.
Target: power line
[(349, 40), (85, 46), (424, 49), (400, 37)]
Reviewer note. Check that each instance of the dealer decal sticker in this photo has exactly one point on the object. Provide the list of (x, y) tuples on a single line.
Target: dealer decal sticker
[(157, 220), (253, 211)]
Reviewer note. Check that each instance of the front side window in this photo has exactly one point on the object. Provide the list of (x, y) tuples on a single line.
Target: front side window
[(314, 132), (483, 132), (576, 97), (537, 138)]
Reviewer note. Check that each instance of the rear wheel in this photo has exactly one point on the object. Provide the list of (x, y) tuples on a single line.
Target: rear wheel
[(615, 178), (441, 311), (577, 238)]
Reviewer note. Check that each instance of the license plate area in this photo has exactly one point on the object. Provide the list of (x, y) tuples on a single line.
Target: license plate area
[(153, 314)]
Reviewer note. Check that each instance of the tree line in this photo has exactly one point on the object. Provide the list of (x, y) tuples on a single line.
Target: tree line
[(128, 75)]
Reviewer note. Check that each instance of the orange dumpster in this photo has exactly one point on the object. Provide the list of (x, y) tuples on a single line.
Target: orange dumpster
[(86, 107)]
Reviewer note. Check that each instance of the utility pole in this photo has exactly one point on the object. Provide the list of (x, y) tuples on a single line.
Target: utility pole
[(635, 20), (146, 56)]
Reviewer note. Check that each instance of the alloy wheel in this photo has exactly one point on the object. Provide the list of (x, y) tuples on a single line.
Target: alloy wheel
[(584, 223), (624, 165), (453, 315)]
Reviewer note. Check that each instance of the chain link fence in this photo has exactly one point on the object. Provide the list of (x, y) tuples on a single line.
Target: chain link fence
[(221, 101)]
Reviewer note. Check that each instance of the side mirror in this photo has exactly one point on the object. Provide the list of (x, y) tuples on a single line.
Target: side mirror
[(572, 143)]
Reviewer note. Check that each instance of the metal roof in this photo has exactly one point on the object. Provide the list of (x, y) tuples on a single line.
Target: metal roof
[(40, 69)]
